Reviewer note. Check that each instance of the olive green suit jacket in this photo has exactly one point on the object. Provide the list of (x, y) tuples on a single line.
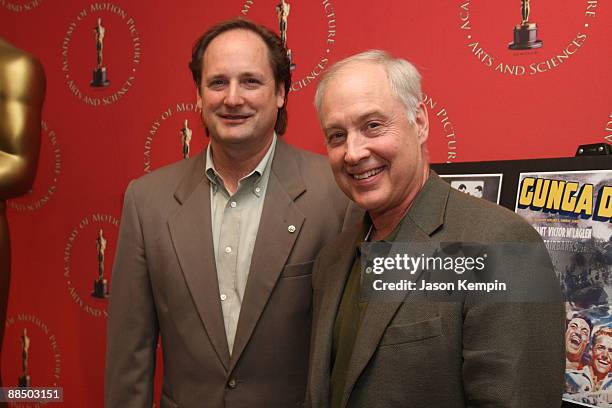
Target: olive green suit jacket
[(443, 354)]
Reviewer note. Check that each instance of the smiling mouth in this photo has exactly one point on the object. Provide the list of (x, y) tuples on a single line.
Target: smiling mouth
[(235, 116), (368, 174), (575, 339)]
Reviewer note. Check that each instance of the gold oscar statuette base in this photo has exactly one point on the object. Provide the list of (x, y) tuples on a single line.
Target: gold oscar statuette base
[(525, 37), (24, 381), (100, 78), (100, 289)]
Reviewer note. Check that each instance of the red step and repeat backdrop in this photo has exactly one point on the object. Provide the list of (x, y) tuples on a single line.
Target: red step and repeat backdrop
[(486, 102)]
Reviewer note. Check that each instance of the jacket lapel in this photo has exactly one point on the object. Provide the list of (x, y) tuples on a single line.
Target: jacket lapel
[(191, 233), (273, 244), (424, 217), (330, 291)]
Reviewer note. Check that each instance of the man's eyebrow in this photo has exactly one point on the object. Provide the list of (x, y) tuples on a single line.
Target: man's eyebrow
[(213, 76), (361, 118), (246, 74), (369, 114), (251, 73)]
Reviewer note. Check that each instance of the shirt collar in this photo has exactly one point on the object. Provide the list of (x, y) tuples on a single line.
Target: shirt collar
[(255, 175), (366, 233)]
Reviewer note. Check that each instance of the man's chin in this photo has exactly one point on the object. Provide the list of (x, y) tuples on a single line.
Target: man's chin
[(231, 136), (570, 349), (367, 203)]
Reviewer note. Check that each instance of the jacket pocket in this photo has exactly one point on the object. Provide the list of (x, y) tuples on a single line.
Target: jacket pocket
[(410, 333), (297, 270)]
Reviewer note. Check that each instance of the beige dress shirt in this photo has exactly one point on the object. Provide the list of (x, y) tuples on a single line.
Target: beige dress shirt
[(235, 221)]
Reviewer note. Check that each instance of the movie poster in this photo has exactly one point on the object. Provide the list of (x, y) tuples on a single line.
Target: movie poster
[(572, 210), (487, 186)]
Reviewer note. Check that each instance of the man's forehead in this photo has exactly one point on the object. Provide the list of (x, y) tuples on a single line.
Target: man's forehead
[(604, 338), (358, 89), (364, 76), (237, 35), (355, 114), (356, 96), (237, 48)]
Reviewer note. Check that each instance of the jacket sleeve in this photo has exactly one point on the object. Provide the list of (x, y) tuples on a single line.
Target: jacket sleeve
[(513, 350), (132, 322)]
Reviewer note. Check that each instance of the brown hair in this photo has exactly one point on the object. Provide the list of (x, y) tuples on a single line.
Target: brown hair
[(277, 55)]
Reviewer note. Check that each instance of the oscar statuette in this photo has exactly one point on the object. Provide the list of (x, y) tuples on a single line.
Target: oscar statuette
[(526, 33), (186, 134), (100, 76), (100, 286), (24, 378), (282, 13), (22, 92)]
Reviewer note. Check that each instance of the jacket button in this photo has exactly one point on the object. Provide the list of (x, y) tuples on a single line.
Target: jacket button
[(232, 383)]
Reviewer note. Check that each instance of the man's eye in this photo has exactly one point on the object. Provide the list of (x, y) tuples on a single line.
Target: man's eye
[(252, 82), (373, 125), (335, 138), (216, 83)]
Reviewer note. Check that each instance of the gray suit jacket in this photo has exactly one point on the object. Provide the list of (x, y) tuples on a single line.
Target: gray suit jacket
[(165, 283), (446, 354)]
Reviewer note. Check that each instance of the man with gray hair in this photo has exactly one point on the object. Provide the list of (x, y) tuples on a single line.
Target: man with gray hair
[(413, 351)]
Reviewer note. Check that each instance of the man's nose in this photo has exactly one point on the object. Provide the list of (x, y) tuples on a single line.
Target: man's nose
[(356, 148), (234, 95)]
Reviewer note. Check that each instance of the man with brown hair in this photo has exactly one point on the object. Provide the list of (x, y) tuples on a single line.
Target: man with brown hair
[(215, 252)]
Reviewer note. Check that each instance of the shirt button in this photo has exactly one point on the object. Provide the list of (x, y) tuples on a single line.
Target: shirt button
[(228, 250), (223, 296), (257, 189), (233, 204), (232, 383)]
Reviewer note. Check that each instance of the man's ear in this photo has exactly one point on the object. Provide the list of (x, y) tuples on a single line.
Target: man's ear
[(280, 96), (421, 121), (198, 100)]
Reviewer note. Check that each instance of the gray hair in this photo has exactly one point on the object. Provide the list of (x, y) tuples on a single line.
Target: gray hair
[(404, 78)]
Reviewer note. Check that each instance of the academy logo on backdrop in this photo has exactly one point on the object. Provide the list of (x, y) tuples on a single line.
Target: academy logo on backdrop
[(88, 258), (47, 176), (308, 30), (608, 130), (519, 38), (20, 6), (31, 355), (174, 135), (440, 121), (101, 53)]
